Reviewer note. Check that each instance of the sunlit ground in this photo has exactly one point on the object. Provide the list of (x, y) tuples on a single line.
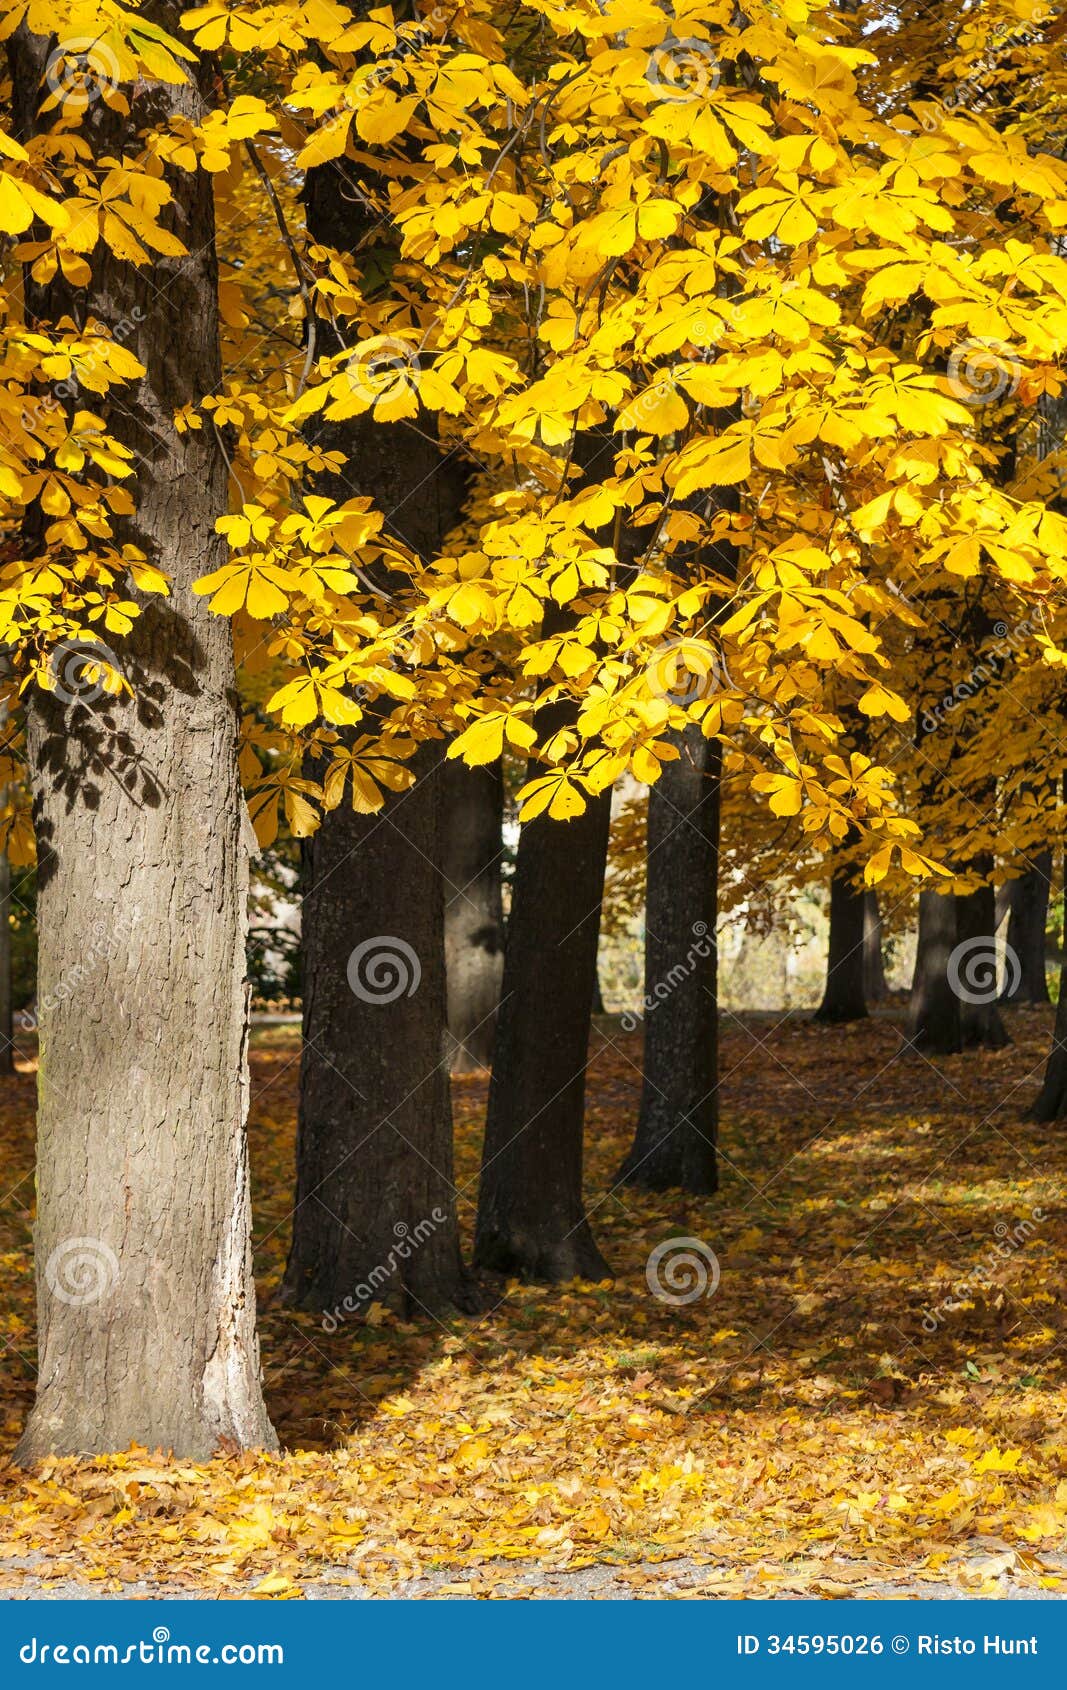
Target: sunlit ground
[(875, 1387)]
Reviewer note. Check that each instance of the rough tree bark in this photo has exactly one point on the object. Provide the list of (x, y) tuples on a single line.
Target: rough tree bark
[(1025, 980), (375, 1215), (146, 1304), (674, 1144), (472, 848), (844, 998)]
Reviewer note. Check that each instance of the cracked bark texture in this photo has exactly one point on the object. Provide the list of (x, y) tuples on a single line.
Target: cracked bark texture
[(146, 1303)]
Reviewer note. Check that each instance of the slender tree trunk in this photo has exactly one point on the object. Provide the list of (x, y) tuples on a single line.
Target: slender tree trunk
[(1051, 1103), (146, 1304), (375, 1216), (1027, 898), (7, 1047), (844, 998), (875, 985), (474, 912), (531, 1219), (674, 1145)]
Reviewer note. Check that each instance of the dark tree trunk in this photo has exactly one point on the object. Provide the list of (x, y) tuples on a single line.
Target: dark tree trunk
[(531, 1219), (1051, 1103), (146, 1303), (7, 1047), (954, 988), (976, 968), (875, 985), (674, 1145), (844, 997), (1027, 898), (472, 848), (375, 1216), (598, 995), (934, 1009)]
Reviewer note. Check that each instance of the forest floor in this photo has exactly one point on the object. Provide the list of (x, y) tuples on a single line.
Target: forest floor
[(871, 1403)]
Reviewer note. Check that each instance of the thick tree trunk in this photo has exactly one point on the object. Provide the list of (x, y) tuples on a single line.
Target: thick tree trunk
[(844, 997), (954, 987), (934, 1010), (875, 985), (1025, 980), (472, 848), (531, 1219), (146, 1304), (674, 1145), (375, 1216)]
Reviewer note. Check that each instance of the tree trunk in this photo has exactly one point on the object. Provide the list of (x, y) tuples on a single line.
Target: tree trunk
[(531, 1219), (1025, 980), (674, 1145), (7, 1047), (1051, 1104), (976, 967), (954, 987), (844, 997), (375, 1215), (146, 1303), (934, 1010), (875, 985), (474, 912)]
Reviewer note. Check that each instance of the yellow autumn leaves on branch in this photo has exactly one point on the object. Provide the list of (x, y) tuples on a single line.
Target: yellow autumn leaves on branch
[(809, 310)]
